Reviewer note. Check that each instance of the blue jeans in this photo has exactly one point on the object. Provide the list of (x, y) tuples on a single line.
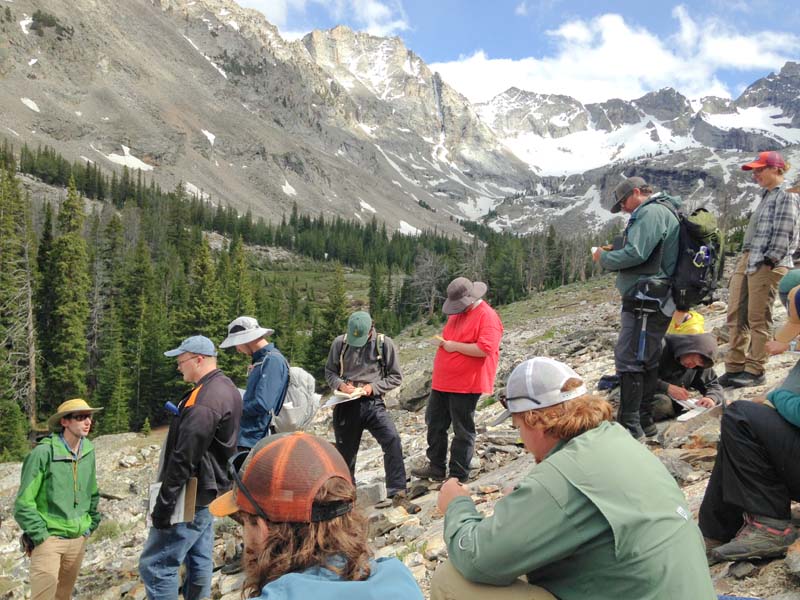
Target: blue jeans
[(166, 549)]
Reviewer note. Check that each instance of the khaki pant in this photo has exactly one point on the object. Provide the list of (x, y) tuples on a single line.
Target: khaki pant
[(448, 584), (750, 316), (54, 568)]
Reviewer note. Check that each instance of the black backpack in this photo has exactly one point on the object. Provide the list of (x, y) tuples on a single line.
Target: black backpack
[(697, 268)]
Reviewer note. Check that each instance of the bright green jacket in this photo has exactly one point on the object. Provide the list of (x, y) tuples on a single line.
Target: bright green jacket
[(599, 518), (57, 495)]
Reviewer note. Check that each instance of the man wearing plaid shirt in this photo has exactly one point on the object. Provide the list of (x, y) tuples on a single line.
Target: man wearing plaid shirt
[(769, 242)]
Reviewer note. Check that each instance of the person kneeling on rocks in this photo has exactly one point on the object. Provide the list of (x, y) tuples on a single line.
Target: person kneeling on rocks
[(303, 535), (597, 517), (746, 511), (687, 363)]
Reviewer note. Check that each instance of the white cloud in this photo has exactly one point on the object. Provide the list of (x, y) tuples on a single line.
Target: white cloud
[(521, 9), (607, 57), (378, 17)]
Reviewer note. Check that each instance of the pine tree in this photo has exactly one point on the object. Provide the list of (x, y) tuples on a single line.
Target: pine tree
[(205, 313), (17, 370), (65, 376), (331, 323), (112, 389)]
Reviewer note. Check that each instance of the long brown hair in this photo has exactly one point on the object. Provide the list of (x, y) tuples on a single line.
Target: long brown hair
[(294, 547), (570, 418)]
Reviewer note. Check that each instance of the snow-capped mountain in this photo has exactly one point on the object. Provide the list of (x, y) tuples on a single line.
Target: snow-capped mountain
[(209, 95), (557, 135)]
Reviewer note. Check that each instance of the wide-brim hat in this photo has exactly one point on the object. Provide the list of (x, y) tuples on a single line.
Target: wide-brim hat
[(76, 405), (243, 331), (461, 293)]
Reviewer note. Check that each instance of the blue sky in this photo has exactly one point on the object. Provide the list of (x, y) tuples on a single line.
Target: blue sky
[(590, 50)]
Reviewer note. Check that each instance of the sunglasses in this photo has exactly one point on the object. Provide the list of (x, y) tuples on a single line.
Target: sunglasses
[(81, 417), (503, 399)]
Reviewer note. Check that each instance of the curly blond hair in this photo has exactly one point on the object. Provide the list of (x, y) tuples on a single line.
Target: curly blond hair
[(571, 418)]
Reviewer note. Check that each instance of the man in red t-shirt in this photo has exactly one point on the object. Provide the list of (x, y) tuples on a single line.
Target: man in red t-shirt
[(464, 368)]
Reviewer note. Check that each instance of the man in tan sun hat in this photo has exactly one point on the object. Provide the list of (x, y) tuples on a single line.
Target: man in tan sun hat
[(56, 505), (464, 367)]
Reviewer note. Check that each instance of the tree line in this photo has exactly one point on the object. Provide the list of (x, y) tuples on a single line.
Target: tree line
[(90, 299)]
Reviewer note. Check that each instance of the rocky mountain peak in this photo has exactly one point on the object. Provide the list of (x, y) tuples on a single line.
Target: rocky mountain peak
[(665, 104)]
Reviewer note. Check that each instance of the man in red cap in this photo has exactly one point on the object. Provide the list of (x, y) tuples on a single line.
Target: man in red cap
[(769, 242)]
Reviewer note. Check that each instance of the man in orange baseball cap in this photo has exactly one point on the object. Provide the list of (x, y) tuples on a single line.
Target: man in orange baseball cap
[(303, 536)]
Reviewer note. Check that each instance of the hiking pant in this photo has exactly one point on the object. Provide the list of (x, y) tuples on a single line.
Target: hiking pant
[(443, 409), (757, 469), (55, 564), (638, 378), (165, 550), (350, 419), (448, 584), (750, 316)]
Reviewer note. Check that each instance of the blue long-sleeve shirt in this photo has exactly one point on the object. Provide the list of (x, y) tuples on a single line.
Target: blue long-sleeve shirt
[(266, 389)]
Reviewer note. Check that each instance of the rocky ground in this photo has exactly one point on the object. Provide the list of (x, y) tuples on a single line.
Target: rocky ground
[(576, 324)]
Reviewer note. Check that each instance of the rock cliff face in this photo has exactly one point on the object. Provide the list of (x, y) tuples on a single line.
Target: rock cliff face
[(208, 94)]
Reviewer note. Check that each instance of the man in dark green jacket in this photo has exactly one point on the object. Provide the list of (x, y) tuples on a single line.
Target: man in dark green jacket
[(645, 263), (56, 504), (597, 517)]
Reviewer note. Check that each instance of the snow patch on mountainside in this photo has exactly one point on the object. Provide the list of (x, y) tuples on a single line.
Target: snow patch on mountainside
[(288, 189), (759, 118), (127, 159), (30, 104), (407, 229)]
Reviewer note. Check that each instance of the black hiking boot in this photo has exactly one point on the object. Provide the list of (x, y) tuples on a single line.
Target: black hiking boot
[(726, 380), (745, 379)]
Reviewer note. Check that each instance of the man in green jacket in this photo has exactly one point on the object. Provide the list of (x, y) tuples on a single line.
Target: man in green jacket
[(56, 504), (645, 263), (597, 517)]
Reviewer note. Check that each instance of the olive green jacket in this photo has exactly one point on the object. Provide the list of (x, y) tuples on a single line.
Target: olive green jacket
[(599, 518)]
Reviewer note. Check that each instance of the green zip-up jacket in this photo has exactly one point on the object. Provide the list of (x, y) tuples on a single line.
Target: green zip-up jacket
[(599, 518), (57, 495), (647, 226)]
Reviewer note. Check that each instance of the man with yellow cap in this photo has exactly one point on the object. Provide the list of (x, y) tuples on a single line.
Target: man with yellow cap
[(56, 504), (756, 476)]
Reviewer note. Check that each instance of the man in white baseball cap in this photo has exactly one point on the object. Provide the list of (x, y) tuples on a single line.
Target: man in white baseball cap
[(598, 516)]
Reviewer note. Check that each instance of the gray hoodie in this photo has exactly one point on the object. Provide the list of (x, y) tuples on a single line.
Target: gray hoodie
[(671, 371)]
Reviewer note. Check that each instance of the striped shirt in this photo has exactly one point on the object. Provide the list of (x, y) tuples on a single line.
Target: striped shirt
[(774, 229)]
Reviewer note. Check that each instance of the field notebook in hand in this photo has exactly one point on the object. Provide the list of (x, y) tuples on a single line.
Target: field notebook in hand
[(184, 507), (338, 397), (692, 409)]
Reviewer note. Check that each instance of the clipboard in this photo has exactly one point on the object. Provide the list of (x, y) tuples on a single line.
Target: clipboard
[(184, 506)]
